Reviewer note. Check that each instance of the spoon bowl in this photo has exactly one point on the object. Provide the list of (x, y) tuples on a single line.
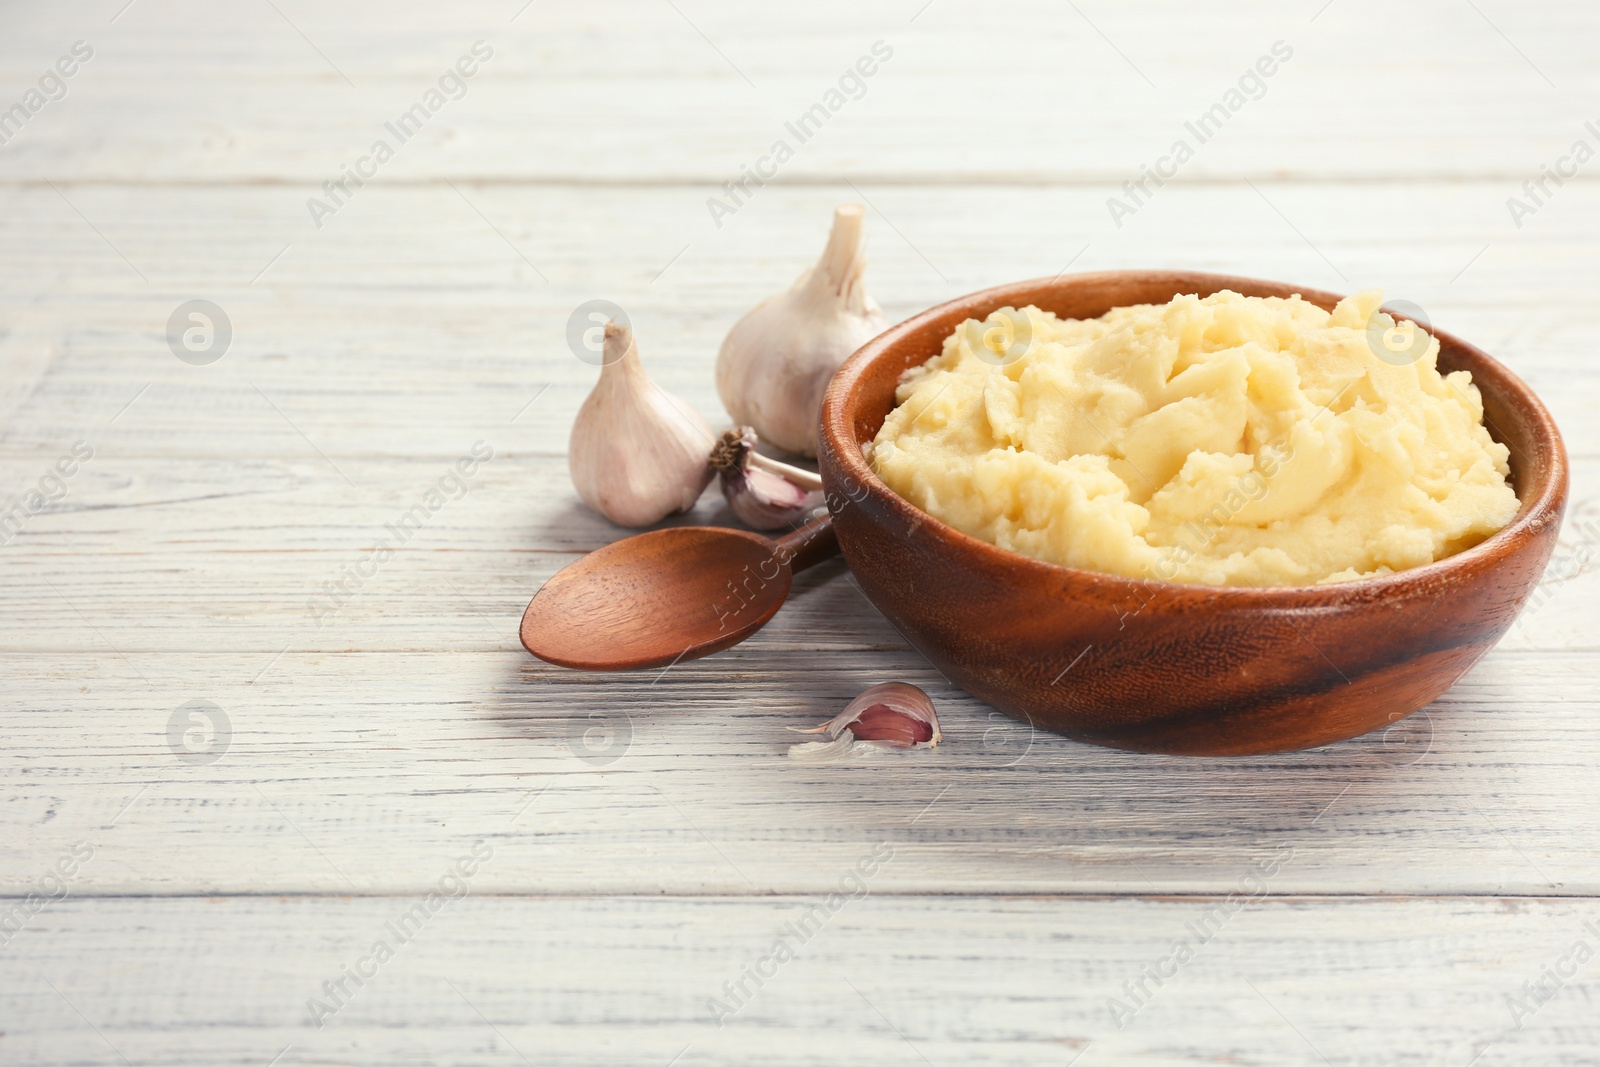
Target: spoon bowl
[(657, 598)]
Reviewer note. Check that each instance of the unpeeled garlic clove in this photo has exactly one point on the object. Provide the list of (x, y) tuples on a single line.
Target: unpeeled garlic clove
[(776, 361), (637, 453), (765, 493), (890, 715)]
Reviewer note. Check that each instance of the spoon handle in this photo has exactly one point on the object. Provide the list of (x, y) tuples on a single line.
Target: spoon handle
[(809, 545)]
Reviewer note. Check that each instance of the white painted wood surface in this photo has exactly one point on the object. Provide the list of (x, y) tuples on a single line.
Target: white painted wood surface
[(1430, 873)]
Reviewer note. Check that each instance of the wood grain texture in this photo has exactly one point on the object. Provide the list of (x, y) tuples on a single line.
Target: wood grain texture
[(409, 326), (649, 835), (633, 92), (881, 979), (408, 754)]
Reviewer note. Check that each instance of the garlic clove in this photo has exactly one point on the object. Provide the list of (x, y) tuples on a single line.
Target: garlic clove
[(775, 363), (892, 727), (637, 453), (897, 713), (764, 493), (890, 715), (766, 501)]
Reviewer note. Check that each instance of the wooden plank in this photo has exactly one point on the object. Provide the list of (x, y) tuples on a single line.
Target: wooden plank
[(639, 92), (887, 979), (409, 325), (1419, 878), (216, 507), (212, 556), (345, 768)]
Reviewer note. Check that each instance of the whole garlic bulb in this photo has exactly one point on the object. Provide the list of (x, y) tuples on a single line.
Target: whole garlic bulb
[(637, 453), (776, 361)]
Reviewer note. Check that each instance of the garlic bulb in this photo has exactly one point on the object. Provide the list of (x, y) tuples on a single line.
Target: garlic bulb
[(776, 361), (763, 492), (891, 715), (637, 453)]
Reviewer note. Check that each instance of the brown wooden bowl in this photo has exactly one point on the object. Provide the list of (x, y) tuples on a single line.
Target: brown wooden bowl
[(1165, 666)]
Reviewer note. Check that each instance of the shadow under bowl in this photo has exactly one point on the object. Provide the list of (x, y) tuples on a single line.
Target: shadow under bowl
[(1162, 666)]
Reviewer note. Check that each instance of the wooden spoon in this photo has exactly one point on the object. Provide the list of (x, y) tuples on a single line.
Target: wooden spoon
[(668, 595)]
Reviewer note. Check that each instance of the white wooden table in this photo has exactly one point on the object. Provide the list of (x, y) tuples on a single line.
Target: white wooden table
[(637, 844)]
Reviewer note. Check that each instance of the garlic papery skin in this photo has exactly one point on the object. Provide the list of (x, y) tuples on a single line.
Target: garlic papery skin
[(637, 453), (891, 715), (765, 493), (776, 361), (842, 749)]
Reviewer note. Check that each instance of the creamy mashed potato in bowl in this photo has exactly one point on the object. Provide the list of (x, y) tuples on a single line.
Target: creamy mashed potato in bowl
[(1224, 440), (1181, 512)]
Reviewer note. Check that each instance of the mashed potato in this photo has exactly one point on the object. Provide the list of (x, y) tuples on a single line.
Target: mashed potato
[(1229, 440)]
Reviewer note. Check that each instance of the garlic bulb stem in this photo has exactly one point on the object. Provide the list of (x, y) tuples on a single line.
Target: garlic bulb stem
[(841, 263)]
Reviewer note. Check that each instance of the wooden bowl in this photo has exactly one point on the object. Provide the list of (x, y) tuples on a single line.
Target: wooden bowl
[(1165, 666)]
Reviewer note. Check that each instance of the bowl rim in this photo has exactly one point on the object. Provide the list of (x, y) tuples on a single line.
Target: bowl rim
[(1546, 497)]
